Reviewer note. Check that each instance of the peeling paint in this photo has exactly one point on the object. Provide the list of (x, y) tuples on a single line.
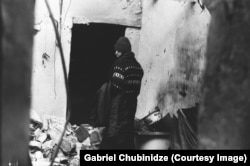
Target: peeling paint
[(176, 74), (48, 91)]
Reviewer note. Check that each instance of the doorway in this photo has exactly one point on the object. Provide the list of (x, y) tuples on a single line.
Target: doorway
[(91, 57)]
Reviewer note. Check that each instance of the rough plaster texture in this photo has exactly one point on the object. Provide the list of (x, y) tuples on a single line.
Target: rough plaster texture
[(225, 114), (48, 90), (171, 50), (133, 35), (16, 56), (124, 12)]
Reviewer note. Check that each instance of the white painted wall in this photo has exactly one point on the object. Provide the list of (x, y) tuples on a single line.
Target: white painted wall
[(124, 12), (133, 35), (171, 51), (48, 90)]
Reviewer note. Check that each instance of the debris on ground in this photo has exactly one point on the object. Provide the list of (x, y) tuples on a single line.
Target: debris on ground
[(45, 134)]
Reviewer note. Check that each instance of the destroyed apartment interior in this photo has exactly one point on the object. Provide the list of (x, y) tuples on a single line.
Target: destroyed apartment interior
[(192, 59)]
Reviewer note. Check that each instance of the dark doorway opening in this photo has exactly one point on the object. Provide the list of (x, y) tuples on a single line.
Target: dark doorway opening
[(92, 54)]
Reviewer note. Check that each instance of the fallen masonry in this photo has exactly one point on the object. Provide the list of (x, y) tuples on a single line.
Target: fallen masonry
[(45, 134)]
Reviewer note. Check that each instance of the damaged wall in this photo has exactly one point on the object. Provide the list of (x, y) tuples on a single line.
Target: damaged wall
[(123, 12), (171, 51), (48, 92)]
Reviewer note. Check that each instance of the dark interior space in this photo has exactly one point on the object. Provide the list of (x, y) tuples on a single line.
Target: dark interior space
[(92, 54)]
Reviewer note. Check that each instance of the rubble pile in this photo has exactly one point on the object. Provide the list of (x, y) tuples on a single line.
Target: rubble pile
[(45, 135)]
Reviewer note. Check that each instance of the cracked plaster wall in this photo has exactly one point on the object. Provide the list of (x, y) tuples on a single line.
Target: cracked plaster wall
[(48, 91), (169, 47), (171, 51)]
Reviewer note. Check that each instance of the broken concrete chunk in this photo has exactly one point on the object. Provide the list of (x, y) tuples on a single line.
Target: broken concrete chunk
[(87, 126), (66, 145), (81, 133), (48, 144), (76, 138), (62, 160), (42, 137), (39, 155), (74, 162), (74, 127), (32, 127), (55, 135), (44, 141), (35, 144), (47, 153), (37, 132), (94, 137)]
